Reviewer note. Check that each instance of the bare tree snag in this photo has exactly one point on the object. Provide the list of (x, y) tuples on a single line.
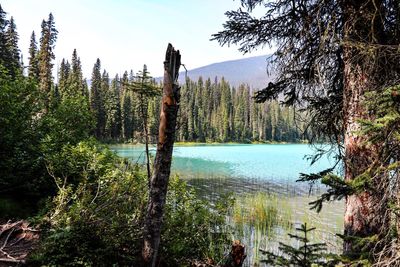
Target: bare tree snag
[(162, 163)]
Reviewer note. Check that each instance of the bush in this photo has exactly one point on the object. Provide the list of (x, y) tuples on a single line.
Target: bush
[(97, 216), (19, 156), (193, 230)]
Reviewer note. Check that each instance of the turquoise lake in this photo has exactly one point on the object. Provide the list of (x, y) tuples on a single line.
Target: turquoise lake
[(239, 166), (247, 170), (265, 161)]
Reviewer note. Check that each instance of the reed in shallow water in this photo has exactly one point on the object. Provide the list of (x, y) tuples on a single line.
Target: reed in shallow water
[(261, 220)]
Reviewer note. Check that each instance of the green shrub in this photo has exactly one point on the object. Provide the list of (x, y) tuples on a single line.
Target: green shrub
[(192, 228), (96, 219)]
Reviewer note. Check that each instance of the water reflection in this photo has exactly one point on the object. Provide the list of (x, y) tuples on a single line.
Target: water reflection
[(248, 172)]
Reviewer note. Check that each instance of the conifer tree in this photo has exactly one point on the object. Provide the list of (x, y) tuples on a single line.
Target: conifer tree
[(45, 58), (14, 63), (104, 92), (330, 55), (63, 82), (4, 51), (85, 87), (127, 109), (113, 107), (306, 255), (96, 100), (33, 70), (76, 77), (144, 88)]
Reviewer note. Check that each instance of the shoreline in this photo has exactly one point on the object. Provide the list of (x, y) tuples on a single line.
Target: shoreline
[(211, 143)]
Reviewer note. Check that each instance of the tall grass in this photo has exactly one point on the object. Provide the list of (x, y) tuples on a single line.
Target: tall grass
[(256, 219), (260, 221)]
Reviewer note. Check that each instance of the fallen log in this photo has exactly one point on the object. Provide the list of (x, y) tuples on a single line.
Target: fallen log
[(17, 240)]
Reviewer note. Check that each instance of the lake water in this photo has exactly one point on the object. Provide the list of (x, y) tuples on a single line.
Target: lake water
[(265, 161), (244, 170), (273, 167)]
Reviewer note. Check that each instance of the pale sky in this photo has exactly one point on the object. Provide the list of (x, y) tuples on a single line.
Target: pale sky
[(125, 34)]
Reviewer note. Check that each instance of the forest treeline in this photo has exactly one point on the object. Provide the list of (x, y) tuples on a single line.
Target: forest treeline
[(89, 203), (210, 111)]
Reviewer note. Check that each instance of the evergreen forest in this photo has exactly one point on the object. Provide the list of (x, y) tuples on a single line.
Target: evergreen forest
[(70, 197), (205, 106)]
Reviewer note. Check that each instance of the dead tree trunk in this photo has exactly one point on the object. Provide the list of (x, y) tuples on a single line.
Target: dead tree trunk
[(162, 163), (365, 211)]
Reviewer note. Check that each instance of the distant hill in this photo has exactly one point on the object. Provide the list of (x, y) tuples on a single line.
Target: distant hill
[(251, 71)]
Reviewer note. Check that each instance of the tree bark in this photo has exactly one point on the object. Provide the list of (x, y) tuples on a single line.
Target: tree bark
[(365, 211), (162, 163)]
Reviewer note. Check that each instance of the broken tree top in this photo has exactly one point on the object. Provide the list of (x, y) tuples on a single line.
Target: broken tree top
[(172, 62)]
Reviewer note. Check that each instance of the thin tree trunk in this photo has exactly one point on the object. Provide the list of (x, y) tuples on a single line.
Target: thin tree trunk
[(365, 211), (147, 154), (146, 133), (162, 163)]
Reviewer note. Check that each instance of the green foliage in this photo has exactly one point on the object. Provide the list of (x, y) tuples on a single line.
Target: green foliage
[(209, 112), (33, 68), (13, 50), (67, 123), (97, 104), (97, 216), (192, 228), (9, 51), (216, 112), (19, 155), (306, 255), (98, 208), (113, 111), (45, 57), (382, 131), (384, 127), (337, 187)]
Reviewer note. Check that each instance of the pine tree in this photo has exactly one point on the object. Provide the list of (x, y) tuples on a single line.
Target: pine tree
[(45, 58), (127, 108), (14, 63), (4, 51), (114, 120), (63, 81), (330, 55), (232, 116), (226, 107), (105, 102), (76, 77), (144, 88), (96, 101), (306, 255), (33, 70)]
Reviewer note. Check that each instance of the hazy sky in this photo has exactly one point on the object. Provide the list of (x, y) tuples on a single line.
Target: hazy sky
[(125, 34)]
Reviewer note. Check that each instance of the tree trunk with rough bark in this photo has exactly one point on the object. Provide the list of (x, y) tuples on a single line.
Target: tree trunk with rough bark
[(162, 163), (365, 211)]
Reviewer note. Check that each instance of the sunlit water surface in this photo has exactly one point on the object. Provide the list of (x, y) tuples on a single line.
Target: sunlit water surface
[(214, 170)]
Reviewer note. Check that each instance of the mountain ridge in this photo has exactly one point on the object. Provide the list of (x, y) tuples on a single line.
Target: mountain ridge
[(251, 71)]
